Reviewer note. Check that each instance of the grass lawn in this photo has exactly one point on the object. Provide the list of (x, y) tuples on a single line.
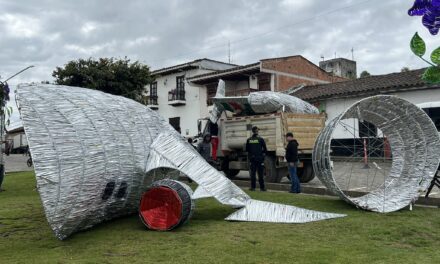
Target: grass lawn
[(361, 237)]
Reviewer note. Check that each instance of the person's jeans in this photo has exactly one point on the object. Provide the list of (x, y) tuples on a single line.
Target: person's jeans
[(257, 166), (296, 187)]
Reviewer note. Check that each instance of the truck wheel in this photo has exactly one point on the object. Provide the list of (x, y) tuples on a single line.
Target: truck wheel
[(306, 174), (230, 173), (270, 169)]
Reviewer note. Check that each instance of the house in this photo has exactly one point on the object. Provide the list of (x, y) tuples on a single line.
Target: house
[(182, 93), (334, 98), (179, 101), (274, 74), (16, 141), (340, 67)]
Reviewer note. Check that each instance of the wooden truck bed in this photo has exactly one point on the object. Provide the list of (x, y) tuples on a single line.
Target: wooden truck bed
[(273, 127)]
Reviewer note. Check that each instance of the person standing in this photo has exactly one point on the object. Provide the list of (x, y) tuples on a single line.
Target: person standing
[(213, 130), (256, 149), (292, 160), (204, 148)]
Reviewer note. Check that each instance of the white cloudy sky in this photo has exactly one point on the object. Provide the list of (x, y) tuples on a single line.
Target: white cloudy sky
[(49, 33)]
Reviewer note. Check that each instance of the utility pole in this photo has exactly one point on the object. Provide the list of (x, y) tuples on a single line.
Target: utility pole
[(352, 54)]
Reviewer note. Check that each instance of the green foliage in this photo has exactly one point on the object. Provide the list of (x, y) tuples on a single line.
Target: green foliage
[(110, 75), (432, 74), (361, 237), (365, 74), (418, 45), (435, 56)]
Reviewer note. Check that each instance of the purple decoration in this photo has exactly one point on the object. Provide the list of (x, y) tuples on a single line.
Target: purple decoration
[(430, 10)]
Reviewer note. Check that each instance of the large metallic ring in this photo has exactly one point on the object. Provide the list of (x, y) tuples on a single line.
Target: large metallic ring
[(415, 148)]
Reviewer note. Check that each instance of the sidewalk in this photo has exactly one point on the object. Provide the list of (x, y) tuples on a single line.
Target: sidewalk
[(16, 162)]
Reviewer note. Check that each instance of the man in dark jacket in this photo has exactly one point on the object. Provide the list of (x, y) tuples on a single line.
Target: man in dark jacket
[(292, 159), (256, 149)]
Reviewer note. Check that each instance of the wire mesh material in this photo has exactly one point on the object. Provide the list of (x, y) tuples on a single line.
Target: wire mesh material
[(166, 205), (95, 154), (269, 102), (415, 151)]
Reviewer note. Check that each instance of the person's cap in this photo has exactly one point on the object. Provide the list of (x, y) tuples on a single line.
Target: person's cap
[(254, 129), (289, 134)]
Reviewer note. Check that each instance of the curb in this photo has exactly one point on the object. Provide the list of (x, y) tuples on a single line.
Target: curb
[(323, 191)]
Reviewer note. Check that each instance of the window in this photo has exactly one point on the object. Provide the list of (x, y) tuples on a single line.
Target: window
[(366, 129), (122, 190), (179, 93), (434, 114), (153, 94), (108, 190)]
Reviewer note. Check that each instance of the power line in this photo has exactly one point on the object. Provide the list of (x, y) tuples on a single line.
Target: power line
[(265, 33)]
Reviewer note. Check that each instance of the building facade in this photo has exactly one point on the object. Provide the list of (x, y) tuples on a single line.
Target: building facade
[(340, 67), (275, 74), (179, 101), (335, 98), (182, 93)]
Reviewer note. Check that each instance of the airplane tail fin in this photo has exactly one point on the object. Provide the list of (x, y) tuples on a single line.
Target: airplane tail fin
[(221, 89), (217, 110)]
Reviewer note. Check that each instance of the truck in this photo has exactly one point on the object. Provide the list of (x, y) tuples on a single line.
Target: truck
[(234, 131)]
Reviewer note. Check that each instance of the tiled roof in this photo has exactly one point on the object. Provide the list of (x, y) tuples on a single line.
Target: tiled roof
[(225, 72), (185, 65), (376, 84)]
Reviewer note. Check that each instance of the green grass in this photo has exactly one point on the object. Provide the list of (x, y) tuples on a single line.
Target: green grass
[(361, 237)]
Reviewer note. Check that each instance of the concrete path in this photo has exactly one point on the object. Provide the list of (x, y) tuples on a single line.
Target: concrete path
[(17, 162)]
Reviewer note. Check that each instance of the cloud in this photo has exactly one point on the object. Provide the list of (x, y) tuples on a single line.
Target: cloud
[(163, 33)]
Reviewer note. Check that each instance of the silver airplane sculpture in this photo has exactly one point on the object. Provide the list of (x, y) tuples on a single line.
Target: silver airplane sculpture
[(95, 154)]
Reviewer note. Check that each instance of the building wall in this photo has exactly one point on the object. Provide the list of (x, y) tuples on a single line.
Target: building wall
[(340, 67), (283, 83), (334, 107), (18, 139), (288, 72), (196, 101)]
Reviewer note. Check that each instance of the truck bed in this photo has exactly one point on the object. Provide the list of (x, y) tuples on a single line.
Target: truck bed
[(273, 127)]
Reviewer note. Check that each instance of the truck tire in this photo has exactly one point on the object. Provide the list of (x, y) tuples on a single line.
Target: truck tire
[(230, 173), (306, 173), (270, 169)]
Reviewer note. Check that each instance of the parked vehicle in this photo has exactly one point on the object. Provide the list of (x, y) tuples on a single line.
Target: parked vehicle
[(233, 132)]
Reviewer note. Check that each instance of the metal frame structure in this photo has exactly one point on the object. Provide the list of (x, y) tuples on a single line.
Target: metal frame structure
[(415, 147), (94, 155)]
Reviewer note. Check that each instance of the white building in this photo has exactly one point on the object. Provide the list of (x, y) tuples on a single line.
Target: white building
[(16, 140), (179, 101)]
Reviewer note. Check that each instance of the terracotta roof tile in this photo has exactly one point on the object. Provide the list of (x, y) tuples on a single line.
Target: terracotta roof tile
[(375, 84)]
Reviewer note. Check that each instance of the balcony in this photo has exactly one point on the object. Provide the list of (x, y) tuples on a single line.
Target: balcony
[(152, 103), (176, 97)]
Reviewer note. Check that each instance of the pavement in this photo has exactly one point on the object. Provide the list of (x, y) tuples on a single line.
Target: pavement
[(353, 177), (16, 162)]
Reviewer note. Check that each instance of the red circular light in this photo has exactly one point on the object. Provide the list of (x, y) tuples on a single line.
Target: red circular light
[(161, 208)]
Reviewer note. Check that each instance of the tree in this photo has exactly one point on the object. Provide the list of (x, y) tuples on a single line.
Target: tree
[(110, 75), (365, 74)]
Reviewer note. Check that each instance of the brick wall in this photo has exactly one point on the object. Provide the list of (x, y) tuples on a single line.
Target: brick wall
[(296, 65)]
